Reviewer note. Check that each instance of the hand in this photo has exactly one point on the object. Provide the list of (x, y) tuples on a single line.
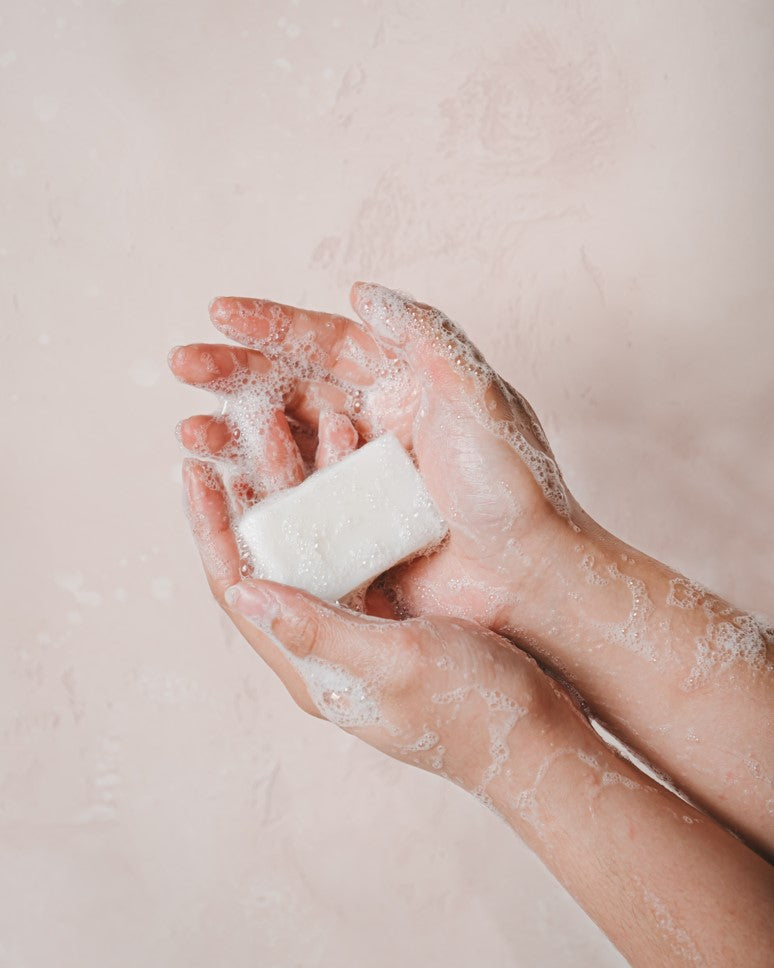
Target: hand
[(479, 446), (442, 694), (485, 460)]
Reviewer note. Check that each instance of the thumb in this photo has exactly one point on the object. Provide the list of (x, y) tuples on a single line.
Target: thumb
[(304, 625), (343, 657)]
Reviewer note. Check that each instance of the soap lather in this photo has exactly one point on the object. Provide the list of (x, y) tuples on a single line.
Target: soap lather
[(345, 524)]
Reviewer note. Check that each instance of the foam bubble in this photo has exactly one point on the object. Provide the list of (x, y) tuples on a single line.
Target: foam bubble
[(724, 643), (631, 633), (341, 697), (683, 944), (684, 593), (591, 576), (396, 317), (503, 714), (426, 741)]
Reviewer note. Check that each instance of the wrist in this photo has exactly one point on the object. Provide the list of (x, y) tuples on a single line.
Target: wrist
[(599, 606), (587, 591), (564, 580)]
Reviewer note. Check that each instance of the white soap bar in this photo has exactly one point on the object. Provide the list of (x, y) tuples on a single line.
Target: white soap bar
[(345, 524)]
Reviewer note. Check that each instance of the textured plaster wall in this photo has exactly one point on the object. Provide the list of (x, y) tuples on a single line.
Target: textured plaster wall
[(587, 187)]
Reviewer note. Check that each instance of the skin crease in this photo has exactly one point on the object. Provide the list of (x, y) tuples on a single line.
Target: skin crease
[(522, 558)]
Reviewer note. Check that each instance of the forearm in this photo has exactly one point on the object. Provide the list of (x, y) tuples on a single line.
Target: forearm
[(672, 669), (665, 883)]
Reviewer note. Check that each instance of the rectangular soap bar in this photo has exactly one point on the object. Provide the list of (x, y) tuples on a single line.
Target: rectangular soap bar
[(345, 524)]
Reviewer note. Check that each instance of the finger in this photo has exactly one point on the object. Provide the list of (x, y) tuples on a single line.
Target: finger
[(442, 356), (210, 520), (244, 492), (336, 437), (228, 370), (216, 366), (343, 659), (265, 451), (332, 342), (208, 436), (437, 349), (310, 398), (215, 438), (270, 459), (369, 648), (280, 463)]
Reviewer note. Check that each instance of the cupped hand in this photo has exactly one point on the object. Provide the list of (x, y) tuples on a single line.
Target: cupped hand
[(334, 383), (442, 694)]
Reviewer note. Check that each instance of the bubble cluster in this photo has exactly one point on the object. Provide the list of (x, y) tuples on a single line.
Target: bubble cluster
[(727, 637), (724, 643), (632, 632), (591, 576), (500, 727), (427, 741), (498, 408), (503, 714), (487, 600), (341, 697), (526, 802), (685, 593), (436, 761), (683, 944)]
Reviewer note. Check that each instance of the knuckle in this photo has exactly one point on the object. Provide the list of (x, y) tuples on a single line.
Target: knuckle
[(308, 634), (300, 633)]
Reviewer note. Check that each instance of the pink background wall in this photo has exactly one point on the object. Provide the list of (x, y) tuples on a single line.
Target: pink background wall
[(586, 187)]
